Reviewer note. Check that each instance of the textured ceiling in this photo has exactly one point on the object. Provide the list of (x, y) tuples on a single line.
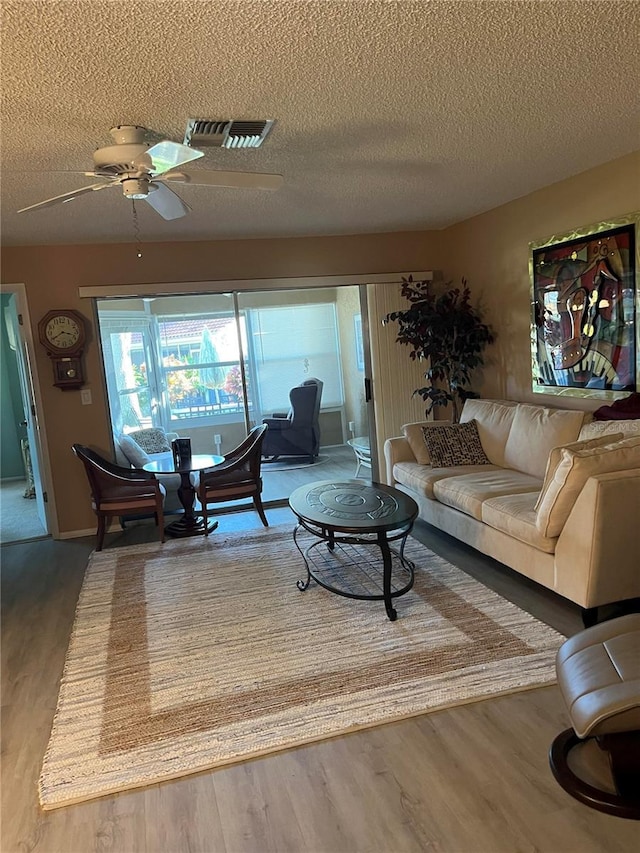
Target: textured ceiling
[(390, 115)]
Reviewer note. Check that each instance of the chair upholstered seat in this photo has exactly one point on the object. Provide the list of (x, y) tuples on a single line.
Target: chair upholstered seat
[(121, 499)]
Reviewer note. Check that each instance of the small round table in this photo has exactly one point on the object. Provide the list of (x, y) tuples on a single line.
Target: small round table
[(362, 449), (188, 524), (351, 518)]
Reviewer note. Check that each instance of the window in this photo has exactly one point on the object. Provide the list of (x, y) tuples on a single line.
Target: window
[(200, 366)]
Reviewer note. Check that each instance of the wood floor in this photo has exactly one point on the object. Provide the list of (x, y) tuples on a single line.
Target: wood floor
[(472, 779)]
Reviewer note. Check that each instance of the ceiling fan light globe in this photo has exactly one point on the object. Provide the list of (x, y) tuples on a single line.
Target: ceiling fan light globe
[(135, 188)]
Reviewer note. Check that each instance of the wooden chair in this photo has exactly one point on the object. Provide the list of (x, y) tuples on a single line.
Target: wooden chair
[(117, 491), (237, 477)]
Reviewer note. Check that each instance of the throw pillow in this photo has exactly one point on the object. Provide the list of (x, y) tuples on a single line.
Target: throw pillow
[(556, 455), (573, 471), (134, 454), (151, 440), (455, 444), (413, 434)]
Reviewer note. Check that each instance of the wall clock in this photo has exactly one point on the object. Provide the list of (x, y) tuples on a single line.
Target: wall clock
[(63, 333)]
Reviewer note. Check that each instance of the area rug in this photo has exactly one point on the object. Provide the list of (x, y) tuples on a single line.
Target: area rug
[(201, 652)]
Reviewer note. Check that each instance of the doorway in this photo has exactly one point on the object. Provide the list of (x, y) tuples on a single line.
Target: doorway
[(23, 512)]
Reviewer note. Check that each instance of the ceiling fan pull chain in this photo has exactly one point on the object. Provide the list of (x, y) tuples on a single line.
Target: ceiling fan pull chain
[(136, 229)]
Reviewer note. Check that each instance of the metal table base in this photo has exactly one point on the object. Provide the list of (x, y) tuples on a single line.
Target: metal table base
[(350, 565)]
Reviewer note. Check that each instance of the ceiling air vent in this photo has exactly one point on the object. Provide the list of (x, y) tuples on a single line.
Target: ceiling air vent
[(217, 133)]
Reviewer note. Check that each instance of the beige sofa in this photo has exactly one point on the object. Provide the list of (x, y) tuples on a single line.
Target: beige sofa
[(558, 498)]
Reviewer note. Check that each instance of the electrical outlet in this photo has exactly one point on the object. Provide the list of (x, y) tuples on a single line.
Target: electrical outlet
[(85, 397), (217, 438)]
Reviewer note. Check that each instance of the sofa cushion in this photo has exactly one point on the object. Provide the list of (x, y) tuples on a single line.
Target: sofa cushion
[(556, 455), (421, 478), (455, 444), (494, 419), (468, 492), (596, 428), (151, 440), (535, 431), (415, 437), (573, 471), (515, 515)]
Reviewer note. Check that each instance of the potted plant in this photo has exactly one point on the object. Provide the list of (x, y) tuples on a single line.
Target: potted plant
[(443, 328)]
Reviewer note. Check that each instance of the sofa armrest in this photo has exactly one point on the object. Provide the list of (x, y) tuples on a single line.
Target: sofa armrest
[(396, 449), (597, 551)]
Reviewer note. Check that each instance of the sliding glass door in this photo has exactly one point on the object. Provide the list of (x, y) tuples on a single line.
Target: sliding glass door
[(211, 366)]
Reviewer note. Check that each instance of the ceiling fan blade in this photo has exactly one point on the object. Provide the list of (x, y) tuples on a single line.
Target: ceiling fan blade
[(240, 180), (166, 155), (165, 202), (61, 199), (87, 174)]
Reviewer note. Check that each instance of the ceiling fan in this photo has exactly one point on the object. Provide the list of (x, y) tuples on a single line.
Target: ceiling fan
[(143, 172)]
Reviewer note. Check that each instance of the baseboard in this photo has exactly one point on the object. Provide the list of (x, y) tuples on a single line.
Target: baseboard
[(76, 534)]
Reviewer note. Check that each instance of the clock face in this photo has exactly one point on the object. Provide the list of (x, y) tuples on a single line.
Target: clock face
[(62, 332)]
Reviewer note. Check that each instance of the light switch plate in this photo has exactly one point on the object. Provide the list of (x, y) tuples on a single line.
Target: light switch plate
[(85, 397)]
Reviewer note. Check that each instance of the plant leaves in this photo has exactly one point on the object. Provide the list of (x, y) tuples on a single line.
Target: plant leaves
[(445, 329)]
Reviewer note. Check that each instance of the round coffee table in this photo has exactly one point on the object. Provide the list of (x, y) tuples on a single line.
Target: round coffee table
[(349, 521)]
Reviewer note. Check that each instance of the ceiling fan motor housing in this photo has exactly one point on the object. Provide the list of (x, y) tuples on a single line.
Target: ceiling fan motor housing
[(120, 158), (115, 159), (128, 133)]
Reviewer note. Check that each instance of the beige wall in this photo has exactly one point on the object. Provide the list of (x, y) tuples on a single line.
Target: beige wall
[(53, 274), (491, 252)]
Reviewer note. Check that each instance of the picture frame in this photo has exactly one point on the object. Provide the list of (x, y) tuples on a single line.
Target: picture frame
[(357, 325), (585, 311)]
